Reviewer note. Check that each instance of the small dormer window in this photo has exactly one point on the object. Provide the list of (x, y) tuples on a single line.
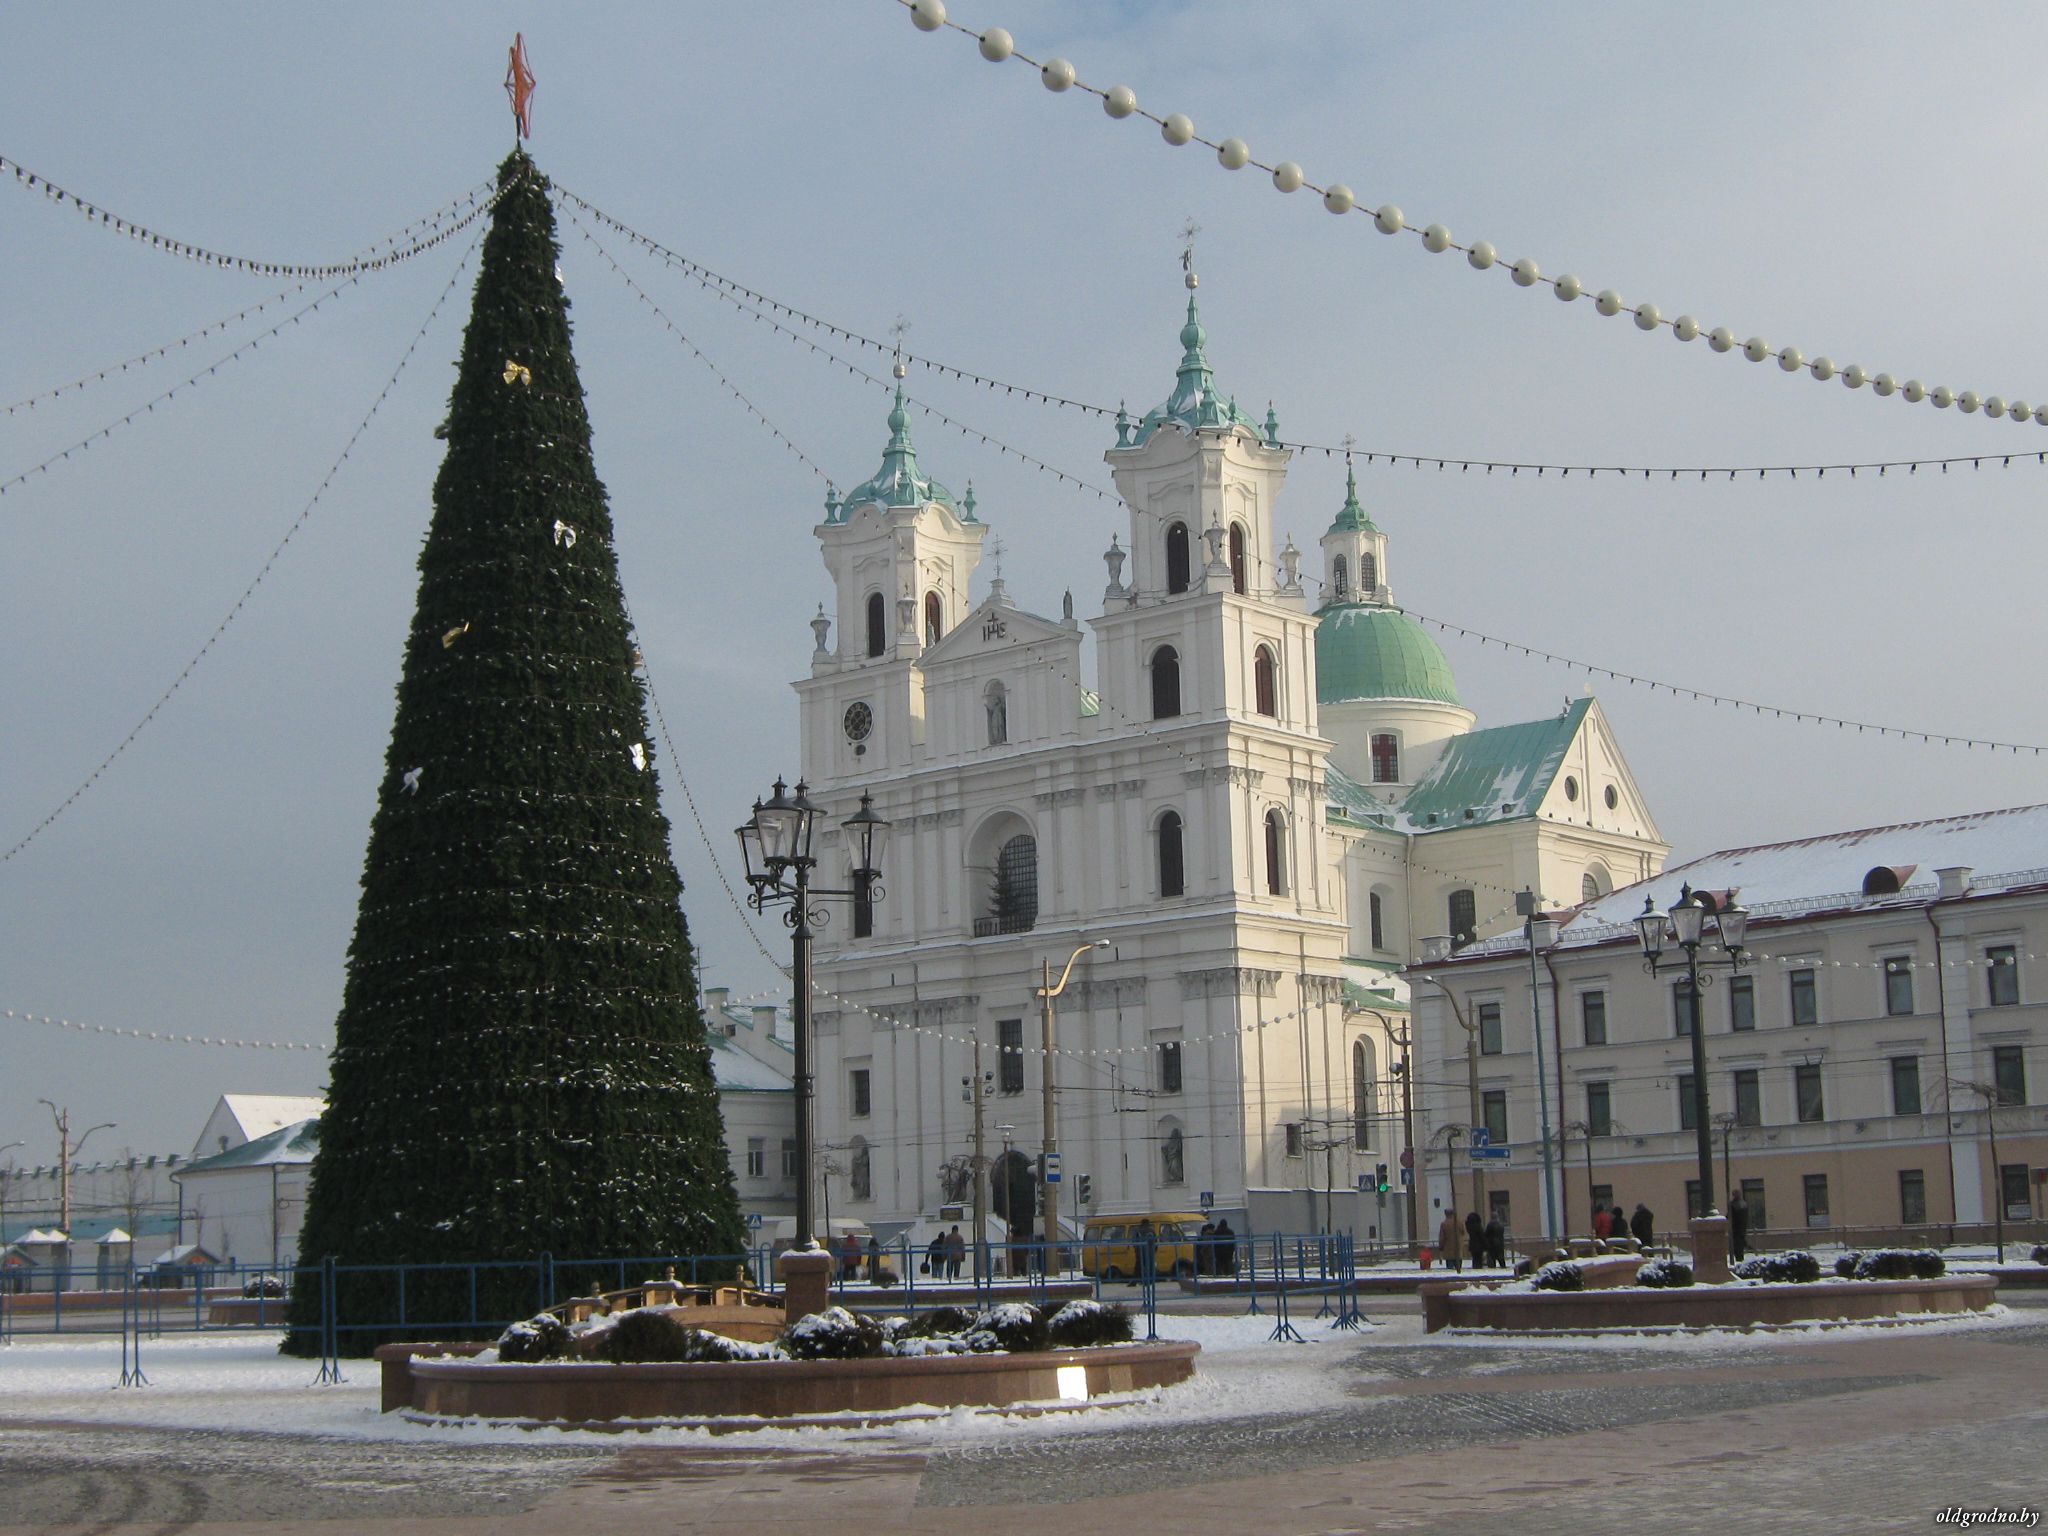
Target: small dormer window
[(1886, 879)]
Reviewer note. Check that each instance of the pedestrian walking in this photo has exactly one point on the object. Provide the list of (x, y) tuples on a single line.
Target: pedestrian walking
[(1226, 1247), (874, 1260), (1643, 1225), (956, 1252), (1205, 1249), (849, 1258), (1475, 1239), (1603, 1223), (1738, 1226), (1450, 1242), (935, 1257), (1497, 1242)]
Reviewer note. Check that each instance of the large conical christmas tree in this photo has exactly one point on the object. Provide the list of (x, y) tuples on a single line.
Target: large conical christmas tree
[(519, 1064)]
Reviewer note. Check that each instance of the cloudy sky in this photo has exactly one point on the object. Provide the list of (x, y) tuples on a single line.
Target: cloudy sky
[(1852, 179)]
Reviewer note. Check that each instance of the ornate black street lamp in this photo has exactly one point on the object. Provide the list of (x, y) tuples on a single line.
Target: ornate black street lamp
[(776, 846), (1686, 922)]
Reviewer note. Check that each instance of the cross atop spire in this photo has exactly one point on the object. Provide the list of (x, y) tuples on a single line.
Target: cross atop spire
[(1188, 231)]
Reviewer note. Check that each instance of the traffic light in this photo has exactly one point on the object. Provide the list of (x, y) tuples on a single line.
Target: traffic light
[(1380, 1177), (1084, 1189)]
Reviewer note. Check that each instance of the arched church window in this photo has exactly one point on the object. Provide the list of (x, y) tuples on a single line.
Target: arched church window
[(1464, 918), (1276, 853), (877, 624), (1177, 557), (1386, 758), (1377, 915), (1017, 885), (1266, 682), (934, 618), (1172, 862), (1340, 579), (1238, 581), (997, 703), (1594, 884), (1165, 683), (1368, 575), (1363, 1092)]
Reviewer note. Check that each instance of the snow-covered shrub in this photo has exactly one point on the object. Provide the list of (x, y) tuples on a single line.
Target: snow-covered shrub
[(1899, 1264), (545, 1337), (1013, 1327), (1928, 1265), (262, 1288), (1081, 1324), (1846, 1265), (1664, 1273), (643, 1336), (833, 1334), (1564, 1276), (939, 1322), (945, 1344), (1795, 1266), (707, 1347)]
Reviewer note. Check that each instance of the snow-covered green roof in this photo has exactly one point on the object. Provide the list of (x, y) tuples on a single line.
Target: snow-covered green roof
[(1500, 774), (1367, 651)]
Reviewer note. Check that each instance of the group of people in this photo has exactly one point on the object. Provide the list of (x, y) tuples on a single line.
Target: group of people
[(1485, 1242), (1216, 1248), (944, 1255), (1611, 1226)]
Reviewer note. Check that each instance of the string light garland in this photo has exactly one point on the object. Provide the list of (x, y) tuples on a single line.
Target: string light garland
[(353, 266), (264, 570), (1808, 717), (164, 1036), (761, 306), (1058, 75)]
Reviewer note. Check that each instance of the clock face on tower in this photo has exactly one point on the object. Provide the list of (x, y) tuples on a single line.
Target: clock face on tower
[(858, 722)]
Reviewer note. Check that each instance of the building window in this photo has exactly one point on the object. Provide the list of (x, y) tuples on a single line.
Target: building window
[(1293, 1133), (1589, 886), (1177, 557), (1682, 1000), (877, 619), (1686, 1105), (1386, 759), (2002, 975), (1912, 1197), (857, 1093), (1489, 1029), (1816, 1199), (1377, 918), (1805, 1001), (1494, 1105), (1593, 1017), (934, 618), (1169, 1066), (1464, 917), (1741, 1003), (1009, 1055), (1898, 984), (1749, 1099), (995, 703), (1368, 575), (789, 1157), (2012, 1188), (1266, 682), (1276, 853), (1806, 1092), (1340, 580), (1753, 1196), (757, 1156), (2009, 1074), (1165, 683), (1599, 1110), (1015, 897), (1905, 1085), (1363, 1092), (1172, 1156), (1238, 574), (1173, 879), (861, 1172)]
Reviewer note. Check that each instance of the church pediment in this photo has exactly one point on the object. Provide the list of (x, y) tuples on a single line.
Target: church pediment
[(992, 629)]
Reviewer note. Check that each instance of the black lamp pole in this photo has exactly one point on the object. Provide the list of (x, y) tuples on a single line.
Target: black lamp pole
[(1686, 922), (776, 848)]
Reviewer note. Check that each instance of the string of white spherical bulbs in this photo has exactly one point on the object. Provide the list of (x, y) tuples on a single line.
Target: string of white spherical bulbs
[(1120, 101)]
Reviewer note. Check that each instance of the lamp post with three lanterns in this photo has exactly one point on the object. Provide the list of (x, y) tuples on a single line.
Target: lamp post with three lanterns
[(776, 845), (1686, 922)]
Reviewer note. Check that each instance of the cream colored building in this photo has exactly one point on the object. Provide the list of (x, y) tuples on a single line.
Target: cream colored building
[(1891, 1023)]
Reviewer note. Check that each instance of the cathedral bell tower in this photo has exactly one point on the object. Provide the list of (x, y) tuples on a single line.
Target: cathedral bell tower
[(901, 552)]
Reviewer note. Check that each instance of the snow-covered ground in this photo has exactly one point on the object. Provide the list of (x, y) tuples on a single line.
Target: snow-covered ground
[(241, 1383)]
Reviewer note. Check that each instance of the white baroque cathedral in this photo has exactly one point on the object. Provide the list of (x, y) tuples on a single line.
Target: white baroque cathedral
[(1261, 804)]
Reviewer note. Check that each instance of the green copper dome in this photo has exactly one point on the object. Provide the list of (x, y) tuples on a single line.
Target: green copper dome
[(1194, 403), (1364, 651), (898, 483), (1351, 517)]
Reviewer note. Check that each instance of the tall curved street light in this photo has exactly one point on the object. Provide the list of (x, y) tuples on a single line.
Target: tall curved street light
[(776, 847), (1048, 1169), (1686, 923), (67, 1149)]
